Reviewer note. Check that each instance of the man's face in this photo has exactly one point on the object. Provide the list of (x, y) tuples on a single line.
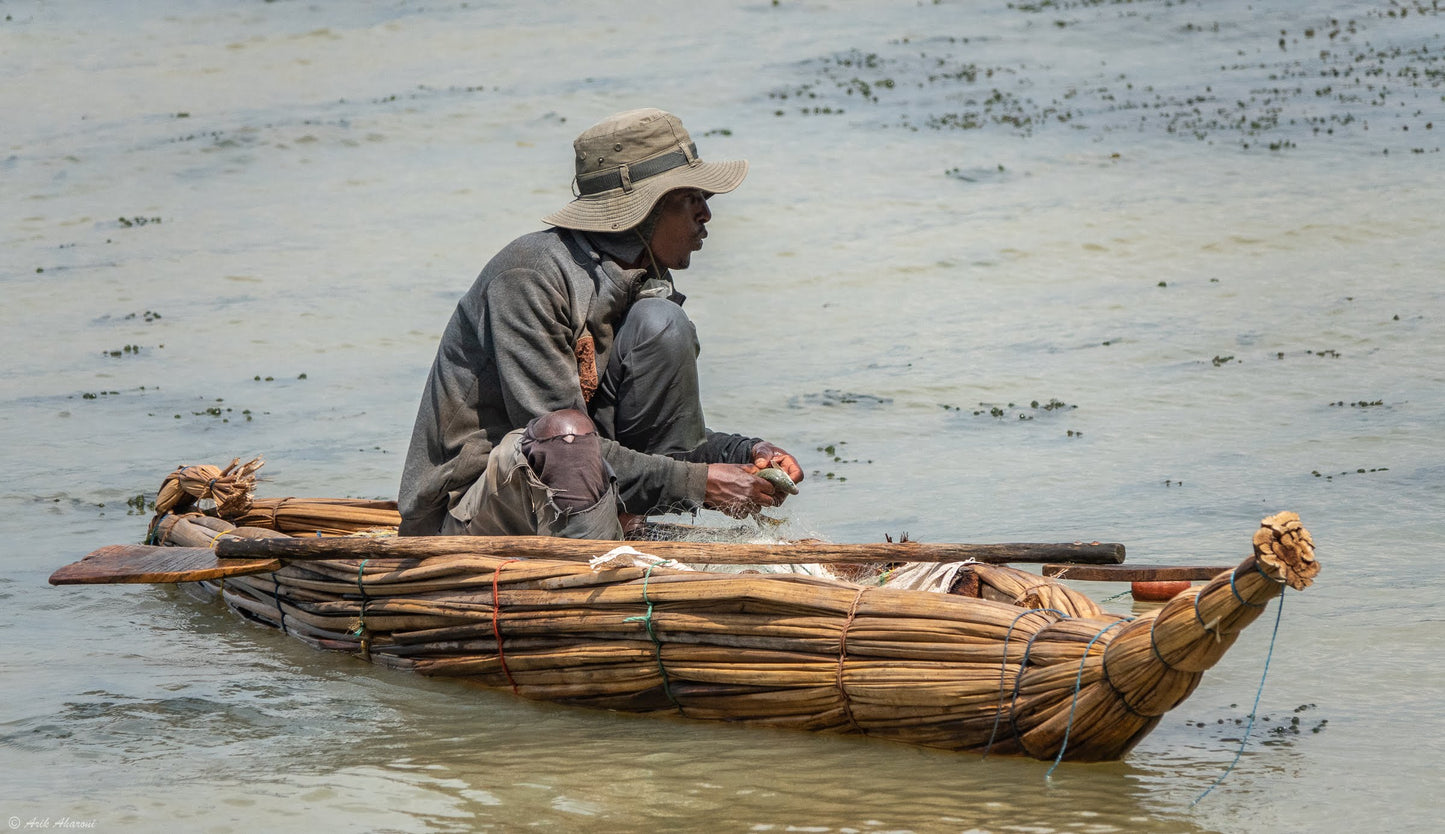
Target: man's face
[(681, 226)]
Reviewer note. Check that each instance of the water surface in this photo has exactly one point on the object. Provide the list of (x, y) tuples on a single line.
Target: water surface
[(1203, 238)]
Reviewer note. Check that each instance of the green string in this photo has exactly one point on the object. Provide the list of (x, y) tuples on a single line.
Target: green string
[(657, 644), (361, 619), (276, 597)]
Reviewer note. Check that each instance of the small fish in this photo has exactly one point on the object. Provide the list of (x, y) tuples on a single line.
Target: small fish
[(779, 479)]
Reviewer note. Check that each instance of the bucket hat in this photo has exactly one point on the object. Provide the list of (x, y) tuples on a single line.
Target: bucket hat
[(626, 162)]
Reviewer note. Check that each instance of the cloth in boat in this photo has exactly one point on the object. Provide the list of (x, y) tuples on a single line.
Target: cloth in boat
[(924, 576), (629, 556), (510, 353)]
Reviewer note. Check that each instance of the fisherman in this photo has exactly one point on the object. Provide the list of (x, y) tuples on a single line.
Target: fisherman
[(564, 397)]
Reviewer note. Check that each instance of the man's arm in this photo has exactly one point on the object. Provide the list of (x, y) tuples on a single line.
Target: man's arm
[(720, 447), (656, 483), (530, 323)]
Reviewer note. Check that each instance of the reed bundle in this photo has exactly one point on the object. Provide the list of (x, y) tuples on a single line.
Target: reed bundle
[(1010, 662), (228, 490), (231, 492), (321, 516)]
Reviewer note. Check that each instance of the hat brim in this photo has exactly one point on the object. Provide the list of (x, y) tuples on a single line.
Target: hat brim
[(619, 209)]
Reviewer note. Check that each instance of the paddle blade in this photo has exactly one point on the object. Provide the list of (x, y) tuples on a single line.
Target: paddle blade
[(140, 564)]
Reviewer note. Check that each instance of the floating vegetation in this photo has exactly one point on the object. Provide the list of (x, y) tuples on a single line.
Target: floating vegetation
[(224, 413), (833, 450), (147, 316), (1281, 728), (1329, 78), (833, 397), (1359, 403), (1224, 360), (95, 395), (130, 222), (423, 91), (128, 350), (1025, 413), (1318, 474), (214, 410)]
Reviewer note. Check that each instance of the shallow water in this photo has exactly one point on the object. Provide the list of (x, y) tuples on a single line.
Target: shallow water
[(234, 229)]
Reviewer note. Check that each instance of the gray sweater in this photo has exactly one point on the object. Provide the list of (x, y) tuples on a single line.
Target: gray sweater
[(507, 355)]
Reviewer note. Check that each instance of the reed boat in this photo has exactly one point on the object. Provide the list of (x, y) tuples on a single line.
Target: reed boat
[(941, 646)]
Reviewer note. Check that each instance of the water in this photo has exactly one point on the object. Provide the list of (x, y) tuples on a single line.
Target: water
[(234, 229)]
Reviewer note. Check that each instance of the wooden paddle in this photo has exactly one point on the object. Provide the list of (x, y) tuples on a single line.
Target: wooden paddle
[(123, 563), (238, 557)]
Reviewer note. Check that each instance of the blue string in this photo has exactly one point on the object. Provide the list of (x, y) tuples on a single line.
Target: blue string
[(1018, 684), (1078, 683), (1242, 600), (1003, 670), (1279, 614)]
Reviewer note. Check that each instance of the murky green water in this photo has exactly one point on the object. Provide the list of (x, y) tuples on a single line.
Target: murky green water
[(1204, 238)]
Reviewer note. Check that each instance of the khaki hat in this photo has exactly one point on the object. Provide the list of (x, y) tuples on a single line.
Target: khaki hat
[(625, 164)]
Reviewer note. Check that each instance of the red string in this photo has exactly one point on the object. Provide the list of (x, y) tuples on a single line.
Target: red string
[(497, 625)]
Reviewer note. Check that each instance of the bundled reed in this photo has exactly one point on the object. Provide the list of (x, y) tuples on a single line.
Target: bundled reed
[(227, 490), (1010, 662), (321, 516), (230, 493)]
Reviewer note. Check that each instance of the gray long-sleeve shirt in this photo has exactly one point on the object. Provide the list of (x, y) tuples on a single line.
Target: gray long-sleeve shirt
[(507, 355)]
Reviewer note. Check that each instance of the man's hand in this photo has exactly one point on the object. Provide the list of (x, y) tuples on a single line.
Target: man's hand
[(736, 489), (766, 454)]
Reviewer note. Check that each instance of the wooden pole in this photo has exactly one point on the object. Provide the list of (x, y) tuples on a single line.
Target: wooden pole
[(1134, 573), (712, 553)]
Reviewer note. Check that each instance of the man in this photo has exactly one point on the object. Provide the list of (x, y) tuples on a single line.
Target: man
[(565, 391)]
